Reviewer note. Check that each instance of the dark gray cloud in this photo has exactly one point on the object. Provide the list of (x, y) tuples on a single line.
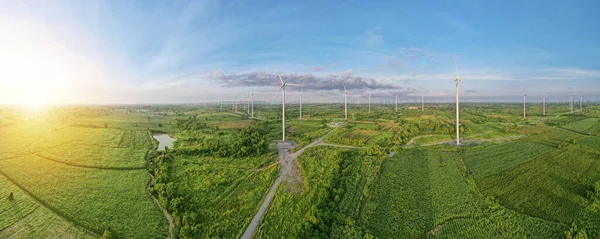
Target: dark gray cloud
[(310, 81)]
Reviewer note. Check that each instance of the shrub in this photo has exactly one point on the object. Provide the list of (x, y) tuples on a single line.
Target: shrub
[(11, 196)]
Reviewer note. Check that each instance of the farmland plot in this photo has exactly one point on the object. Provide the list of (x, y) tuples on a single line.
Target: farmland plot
[(119, 198)]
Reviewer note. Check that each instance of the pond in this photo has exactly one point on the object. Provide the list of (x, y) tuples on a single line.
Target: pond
[(164, 140)]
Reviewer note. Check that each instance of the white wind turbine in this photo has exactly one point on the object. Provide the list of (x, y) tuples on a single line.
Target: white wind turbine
[(422, 102), (396, 100), (369, 102), (580, 102), (282, 89), (252, 100), (457, 79), (301, 90), (345, 102), (544, 105)]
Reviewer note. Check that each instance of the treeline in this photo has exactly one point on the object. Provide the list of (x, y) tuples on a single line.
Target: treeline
[(249, 141), (563, 120)]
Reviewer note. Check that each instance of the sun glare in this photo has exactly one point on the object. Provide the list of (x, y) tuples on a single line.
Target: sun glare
[(36, 69)]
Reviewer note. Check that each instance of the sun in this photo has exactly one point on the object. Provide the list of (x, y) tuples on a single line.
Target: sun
[(34, 70)]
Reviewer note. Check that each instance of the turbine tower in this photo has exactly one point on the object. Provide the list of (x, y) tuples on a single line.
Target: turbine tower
[(235, 102), (422, 103), (396, 100), (301, 90), (544, 105), (457, 79), (571, 99), (282, 89), (580, 102), (524, 101), (252, 100), (369, 102), (345, 102)]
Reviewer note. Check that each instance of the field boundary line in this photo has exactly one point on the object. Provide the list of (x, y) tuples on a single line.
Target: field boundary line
[(52, 209), (91, 166), (24, 216)]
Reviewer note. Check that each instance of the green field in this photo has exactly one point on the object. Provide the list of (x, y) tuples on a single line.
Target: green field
[(424, 194), (76, 172)]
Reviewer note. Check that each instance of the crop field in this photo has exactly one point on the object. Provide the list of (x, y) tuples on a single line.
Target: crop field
[(22, 217), (583, 126), (119, 196), (424, 194), (357, 135), (494, 159), (428, 139), (552, 187)]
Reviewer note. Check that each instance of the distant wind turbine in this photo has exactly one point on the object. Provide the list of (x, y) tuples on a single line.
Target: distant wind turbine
[(282, 89), (301, 90), (457, 79), (544, 105), (345, 101), (580, 102), (369, 102), (396, 101), (252, 100)]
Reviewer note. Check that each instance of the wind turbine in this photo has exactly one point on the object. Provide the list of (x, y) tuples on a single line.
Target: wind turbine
[(457, 79), (544, 105), (422, 103), (345, 102), (282, 89), (524, 101), (252, 100), (369, 102), (396, 100), (301, 90), (580, 102)]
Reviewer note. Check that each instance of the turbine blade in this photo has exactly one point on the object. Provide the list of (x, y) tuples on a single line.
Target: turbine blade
[(456, 66), (282, 82), (292, 84), (345, 87), (277, 93)]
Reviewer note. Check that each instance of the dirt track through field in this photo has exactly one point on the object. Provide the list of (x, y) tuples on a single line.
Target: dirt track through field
[(288, 172)]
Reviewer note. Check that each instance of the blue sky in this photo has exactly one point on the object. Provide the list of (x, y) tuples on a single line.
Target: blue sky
[(188, 50)]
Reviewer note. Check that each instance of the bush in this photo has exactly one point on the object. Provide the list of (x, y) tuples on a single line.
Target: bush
[(11, 196), (107, 234)]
